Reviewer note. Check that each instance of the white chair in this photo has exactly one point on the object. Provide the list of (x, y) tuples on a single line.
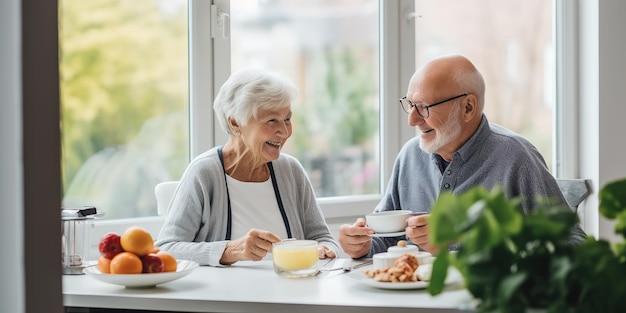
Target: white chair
[(164, 192)]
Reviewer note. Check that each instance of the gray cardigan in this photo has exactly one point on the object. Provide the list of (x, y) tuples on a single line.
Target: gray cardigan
[(196, 222)]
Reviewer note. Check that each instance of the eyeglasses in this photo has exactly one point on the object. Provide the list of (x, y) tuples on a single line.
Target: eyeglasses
[(423, 109)]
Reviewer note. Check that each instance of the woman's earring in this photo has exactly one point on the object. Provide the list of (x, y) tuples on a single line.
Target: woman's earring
[(237, 134)]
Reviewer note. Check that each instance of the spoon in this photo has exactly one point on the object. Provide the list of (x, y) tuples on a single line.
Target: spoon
[(346, 269)]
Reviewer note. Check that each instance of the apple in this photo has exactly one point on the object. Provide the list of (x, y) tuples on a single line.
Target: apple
[(110, 245), (152, 263)]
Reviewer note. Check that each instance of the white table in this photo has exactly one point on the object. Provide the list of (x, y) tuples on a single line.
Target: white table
[(254, 287)]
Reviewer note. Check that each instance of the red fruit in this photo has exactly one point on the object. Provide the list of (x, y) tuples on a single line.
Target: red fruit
[(110, 245), (152, 263)]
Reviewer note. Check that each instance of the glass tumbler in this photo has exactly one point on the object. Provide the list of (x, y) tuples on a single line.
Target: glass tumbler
[(295, 258)]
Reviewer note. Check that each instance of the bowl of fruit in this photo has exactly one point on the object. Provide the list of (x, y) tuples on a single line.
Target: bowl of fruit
[(132, 260)]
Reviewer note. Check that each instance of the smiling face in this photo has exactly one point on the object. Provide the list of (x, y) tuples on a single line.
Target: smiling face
[(437, 133), (441, 131), (450, 123), (265, 135)]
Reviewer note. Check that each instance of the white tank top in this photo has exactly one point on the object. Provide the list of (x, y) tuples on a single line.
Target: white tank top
[(254, 205)]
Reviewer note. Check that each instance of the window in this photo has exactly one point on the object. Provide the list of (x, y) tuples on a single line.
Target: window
[(131, 118), (138, 79), (124, 102), (512, 44), (331, 53)]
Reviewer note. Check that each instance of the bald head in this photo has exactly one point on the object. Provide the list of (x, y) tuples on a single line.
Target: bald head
[(449, 74)]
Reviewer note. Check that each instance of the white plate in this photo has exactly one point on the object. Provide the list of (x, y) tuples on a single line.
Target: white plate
[(396, 234), (359, 275), (183, 268)]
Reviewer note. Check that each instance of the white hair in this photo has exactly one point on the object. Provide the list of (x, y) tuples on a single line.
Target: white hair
[(247, 91)]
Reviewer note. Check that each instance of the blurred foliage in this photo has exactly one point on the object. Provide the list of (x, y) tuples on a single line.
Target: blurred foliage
[(336, 127), (122, 63), (344, 110), (513, 262)]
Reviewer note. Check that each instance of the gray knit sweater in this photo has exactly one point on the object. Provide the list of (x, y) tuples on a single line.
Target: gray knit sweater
[(196, 222), (493, 156)]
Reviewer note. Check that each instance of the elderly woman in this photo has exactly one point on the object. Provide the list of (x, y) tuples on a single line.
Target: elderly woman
[(234, 201)]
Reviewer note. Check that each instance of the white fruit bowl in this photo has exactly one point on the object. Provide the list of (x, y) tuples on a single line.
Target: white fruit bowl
[(145, 280)]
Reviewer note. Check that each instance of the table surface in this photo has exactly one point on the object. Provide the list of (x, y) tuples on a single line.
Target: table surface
[(254, 287)]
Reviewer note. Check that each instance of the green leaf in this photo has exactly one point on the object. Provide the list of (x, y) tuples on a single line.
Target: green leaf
[(506, 211), (474, 213), (552, 223), (439, 273), (493, 234), (613, 198), (447, 211), (620, 224), (510, 285), (560, 269)]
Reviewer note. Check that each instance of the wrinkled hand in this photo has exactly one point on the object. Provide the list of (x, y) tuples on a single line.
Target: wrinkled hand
[(354, 239), (417, 232), (252, 246), (325, 253)]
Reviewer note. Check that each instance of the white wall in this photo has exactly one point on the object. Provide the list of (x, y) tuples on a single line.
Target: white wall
[(602, 114), (12, 269), (612, 100)]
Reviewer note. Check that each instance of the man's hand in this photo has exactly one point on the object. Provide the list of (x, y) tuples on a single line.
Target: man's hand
[(417, 232), (252, 246), (354, 239)]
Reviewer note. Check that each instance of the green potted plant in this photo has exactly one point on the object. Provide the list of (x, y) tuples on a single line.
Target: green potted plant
[(515, 262)]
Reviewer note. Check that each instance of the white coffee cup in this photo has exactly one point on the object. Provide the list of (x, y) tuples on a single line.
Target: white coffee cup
[(388, 221)]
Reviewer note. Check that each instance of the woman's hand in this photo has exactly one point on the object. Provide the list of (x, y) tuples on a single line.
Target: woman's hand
[(325, 253), (253, 246)]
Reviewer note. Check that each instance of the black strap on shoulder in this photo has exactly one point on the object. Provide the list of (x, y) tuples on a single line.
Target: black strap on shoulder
[(279, 199), (229, 222)]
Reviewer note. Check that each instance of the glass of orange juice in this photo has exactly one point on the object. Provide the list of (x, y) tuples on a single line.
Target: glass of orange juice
[(295, 258)]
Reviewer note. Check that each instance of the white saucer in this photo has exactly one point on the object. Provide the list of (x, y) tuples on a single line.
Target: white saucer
[(395, 234)]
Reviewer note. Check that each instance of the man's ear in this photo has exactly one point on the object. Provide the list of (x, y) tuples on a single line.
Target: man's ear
[(470, 107)]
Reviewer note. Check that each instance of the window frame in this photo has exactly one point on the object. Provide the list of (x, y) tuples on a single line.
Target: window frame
[(566, 136)]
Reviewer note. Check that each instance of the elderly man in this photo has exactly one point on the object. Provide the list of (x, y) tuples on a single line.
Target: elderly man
[(457, 148)]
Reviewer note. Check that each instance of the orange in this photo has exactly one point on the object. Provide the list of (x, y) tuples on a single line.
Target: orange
[(169, 261), (137, 240), (126, 263), (104, 265)]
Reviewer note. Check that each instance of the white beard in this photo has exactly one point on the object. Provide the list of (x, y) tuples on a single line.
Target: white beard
[(450, 130)]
